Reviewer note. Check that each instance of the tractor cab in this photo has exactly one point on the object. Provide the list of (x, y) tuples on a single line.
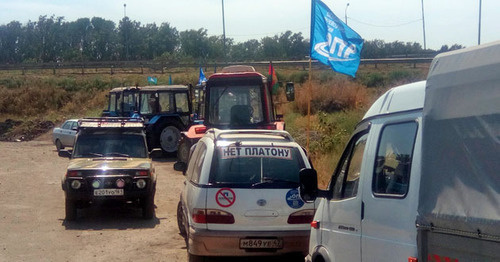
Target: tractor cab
[(122, 102), (236, 98)]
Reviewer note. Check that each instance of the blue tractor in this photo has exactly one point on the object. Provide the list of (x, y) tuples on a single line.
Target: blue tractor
[(166, 111)]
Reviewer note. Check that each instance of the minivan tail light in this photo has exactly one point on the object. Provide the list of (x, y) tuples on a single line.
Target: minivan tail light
[(301, 217), (412, 259), (212, 216), (142, 173)]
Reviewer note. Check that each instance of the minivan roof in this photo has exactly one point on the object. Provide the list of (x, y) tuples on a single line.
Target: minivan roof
[(399, 99)]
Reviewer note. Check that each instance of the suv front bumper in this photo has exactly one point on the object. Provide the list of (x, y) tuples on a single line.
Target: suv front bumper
[(227, 243)]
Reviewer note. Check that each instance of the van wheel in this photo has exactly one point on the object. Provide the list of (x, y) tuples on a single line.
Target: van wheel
[(71, 210), (180, 221), (59, 145), (169, 138), (148, 207)]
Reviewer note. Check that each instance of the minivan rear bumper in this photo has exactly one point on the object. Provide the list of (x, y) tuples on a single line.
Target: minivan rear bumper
[(227, 243)]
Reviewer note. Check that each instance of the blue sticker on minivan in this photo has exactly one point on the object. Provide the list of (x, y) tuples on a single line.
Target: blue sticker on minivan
[(293, 199)]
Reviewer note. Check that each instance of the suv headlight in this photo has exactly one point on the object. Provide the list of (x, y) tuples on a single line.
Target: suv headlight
[(141, 183)]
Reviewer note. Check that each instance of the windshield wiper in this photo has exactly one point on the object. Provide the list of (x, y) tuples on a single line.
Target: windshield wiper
[(270, 180), (116, 154), (92, 154)]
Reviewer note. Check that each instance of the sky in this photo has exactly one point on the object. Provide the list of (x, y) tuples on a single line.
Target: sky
[(447, 22)]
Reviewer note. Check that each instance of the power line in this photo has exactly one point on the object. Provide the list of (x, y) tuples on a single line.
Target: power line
[(397, 25)]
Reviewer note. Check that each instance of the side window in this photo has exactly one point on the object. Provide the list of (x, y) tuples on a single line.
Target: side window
[(199, 163), (66, 125), (181, 102), (166, 102), (112, 102), (393, 162), (74, 126), (347, 179)]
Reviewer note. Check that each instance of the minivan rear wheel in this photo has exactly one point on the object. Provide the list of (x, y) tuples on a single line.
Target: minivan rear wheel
[(180, 221)]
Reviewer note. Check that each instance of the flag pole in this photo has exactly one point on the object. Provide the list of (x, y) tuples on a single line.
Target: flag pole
[(309, 107)]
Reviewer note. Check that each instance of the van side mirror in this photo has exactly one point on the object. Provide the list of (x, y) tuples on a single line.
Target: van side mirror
[(156, 153), (64, 153), (180, 166), (290, 92), (308, 180)]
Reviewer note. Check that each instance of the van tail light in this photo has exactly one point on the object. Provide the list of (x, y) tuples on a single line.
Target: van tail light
[(212, 216), (412, 259), (301, 217), (200, 130), (315, 224)]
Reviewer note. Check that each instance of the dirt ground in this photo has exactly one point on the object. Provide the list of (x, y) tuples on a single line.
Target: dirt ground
[(32, 225)]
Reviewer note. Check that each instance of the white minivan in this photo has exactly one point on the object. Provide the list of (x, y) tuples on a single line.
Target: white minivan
[(240, 196), (368, 211)]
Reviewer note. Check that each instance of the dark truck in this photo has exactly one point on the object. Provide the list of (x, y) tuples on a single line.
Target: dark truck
[(459, 202), (165, 109), (236, 98)]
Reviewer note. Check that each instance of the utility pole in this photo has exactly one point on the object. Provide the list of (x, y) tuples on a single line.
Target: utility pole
[(223, 31), (423, 24), (345, 12), (479, 31)]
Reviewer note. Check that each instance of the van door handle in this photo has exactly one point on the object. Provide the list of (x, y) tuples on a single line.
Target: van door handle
[(362, 210)]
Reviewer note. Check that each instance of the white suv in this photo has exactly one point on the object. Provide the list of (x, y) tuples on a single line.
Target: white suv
[(240, 196)]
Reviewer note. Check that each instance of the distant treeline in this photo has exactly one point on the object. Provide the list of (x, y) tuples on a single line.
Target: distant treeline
[(51, 39)]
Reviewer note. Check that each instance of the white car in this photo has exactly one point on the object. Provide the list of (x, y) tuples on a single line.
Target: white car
[(241, 198), (64, 136)]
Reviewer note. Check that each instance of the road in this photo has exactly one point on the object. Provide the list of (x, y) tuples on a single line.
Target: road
[(32, 225)]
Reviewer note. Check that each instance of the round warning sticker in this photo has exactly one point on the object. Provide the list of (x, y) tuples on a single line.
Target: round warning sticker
[(293, 199), (225, 197)]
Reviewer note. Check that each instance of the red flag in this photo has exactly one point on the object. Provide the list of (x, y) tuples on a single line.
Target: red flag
[(273, 79)]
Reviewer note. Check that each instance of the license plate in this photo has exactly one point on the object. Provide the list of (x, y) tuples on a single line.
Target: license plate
[(247, 243), (108, 192)]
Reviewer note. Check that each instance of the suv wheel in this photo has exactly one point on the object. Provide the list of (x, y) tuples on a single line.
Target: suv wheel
[(70, 210), (194, 258), (148, 207), (180, 221), (169, 138), (59, 145)]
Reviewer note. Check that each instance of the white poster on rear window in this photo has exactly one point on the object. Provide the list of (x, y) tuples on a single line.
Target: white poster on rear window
[(256, 151)]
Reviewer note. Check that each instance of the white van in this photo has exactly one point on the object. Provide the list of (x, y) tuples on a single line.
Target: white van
[(240, 196), (368, 211)]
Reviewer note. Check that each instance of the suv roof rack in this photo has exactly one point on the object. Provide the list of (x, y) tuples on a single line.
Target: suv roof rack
[(218, 133), (111, 122)]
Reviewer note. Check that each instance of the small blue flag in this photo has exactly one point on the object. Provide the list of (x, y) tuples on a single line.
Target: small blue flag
[(152, 80), (333, 43), (170, 79), (202, 77)]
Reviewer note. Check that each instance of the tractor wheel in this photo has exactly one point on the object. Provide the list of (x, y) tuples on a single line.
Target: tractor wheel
[(169, 138), (183, 151)]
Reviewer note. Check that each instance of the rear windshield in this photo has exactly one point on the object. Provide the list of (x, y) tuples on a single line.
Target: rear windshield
[(248, 167), (109, 145)]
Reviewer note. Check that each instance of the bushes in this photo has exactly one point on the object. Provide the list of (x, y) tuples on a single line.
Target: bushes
[(332, 96)]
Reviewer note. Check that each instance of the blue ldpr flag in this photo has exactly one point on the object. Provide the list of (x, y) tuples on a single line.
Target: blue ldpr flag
[(202, 77), (333, 43), (152, 80)]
